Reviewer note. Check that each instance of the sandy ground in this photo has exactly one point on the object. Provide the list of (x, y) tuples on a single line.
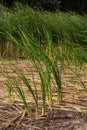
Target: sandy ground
[(69, 115)]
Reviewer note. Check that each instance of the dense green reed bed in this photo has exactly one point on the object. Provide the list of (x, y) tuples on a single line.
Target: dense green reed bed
[(60, 26), (43, 26), (45, 39)]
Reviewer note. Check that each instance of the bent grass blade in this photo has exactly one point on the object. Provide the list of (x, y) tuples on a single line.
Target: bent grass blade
[(22, 96), (26, 82)]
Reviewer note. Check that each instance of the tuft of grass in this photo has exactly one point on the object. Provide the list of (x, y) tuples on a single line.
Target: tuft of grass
[(46, 67), (45, 60)]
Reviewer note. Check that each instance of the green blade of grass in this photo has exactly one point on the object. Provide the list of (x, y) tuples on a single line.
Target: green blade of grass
[(22, 96), (24, 79)]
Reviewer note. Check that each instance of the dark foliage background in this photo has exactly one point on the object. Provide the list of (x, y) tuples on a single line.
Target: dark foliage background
[(74, 5), (51, 5)]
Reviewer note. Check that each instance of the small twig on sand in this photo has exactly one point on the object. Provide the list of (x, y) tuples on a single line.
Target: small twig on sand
[(17, 120)]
